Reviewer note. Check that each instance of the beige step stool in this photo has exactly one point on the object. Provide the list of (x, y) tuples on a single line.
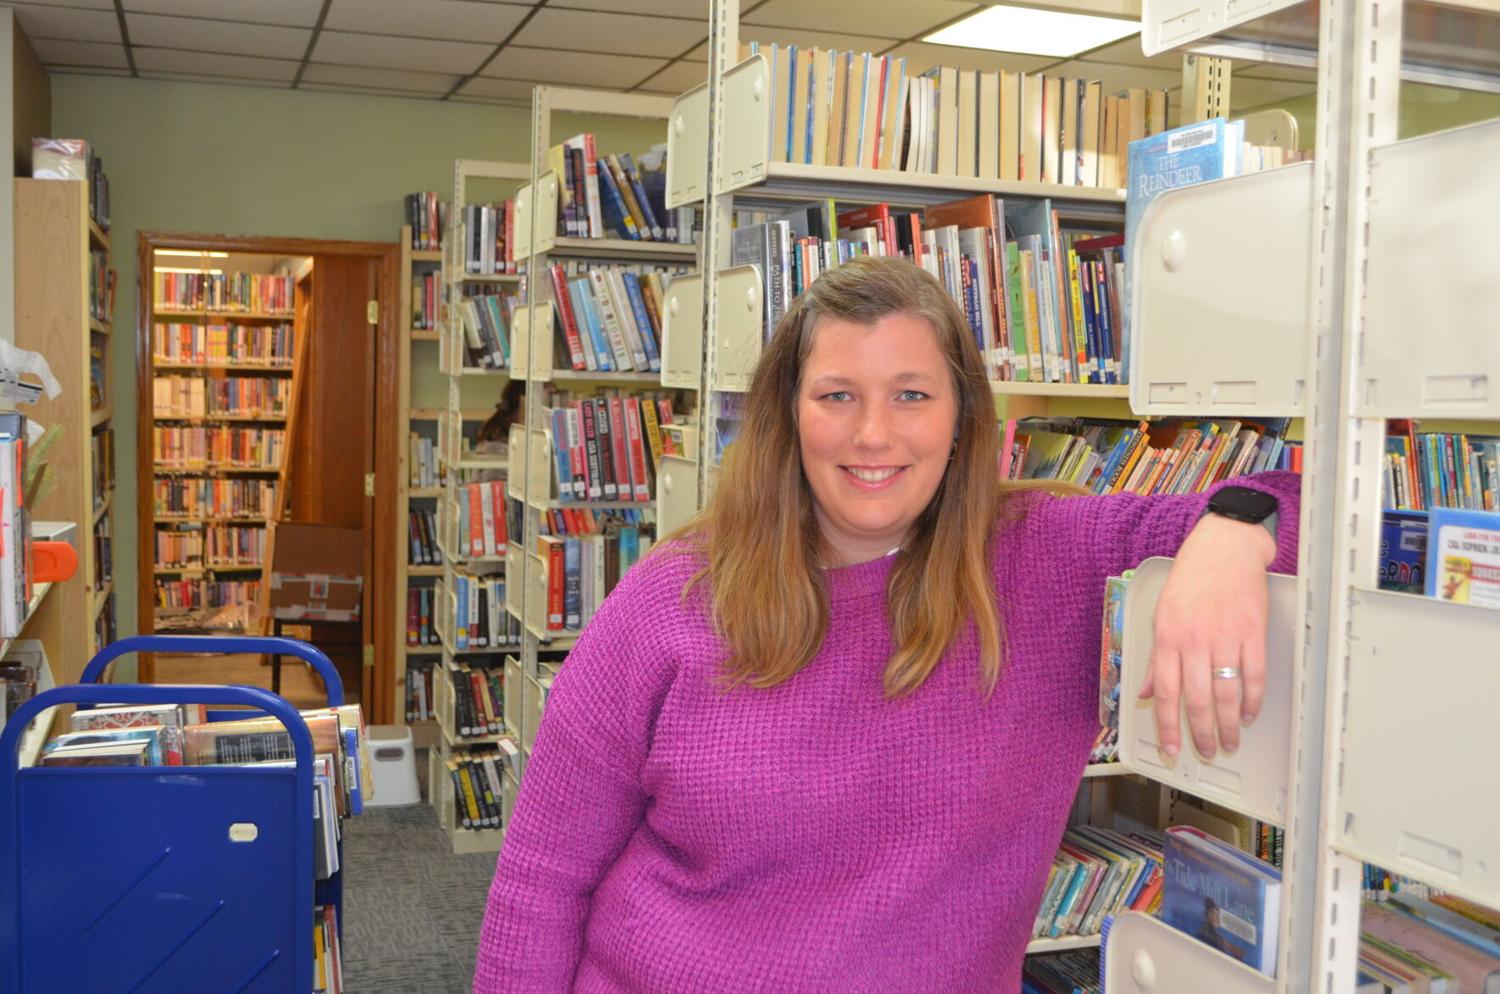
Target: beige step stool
[(393, 767)]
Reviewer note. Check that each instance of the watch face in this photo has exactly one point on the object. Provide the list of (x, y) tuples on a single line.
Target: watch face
[(1244, 503)]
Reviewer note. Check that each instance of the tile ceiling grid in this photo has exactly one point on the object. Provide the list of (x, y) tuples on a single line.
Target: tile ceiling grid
[(181, 35)]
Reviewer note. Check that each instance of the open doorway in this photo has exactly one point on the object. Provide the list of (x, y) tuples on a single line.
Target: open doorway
[(264, 364)]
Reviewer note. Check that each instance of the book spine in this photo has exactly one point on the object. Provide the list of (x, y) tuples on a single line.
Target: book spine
[(643, 323), (572, 588), (566, 316)]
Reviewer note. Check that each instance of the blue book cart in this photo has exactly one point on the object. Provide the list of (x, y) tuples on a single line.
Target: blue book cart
[(161, 880)]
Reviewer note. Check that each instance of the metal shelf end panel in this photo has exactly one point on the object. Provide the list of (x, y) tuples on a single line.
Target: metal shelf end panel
[(741, 327), (1254, 779), (682, 334), (745, 148), (687, 148), (1421, 686), (1221, 297), (1432, 337)]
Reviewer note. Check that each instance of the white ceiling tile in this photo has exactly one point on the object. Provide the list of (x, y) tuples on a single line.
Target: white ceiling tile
[(563, 68), (170, 60), (198, 34), (1127, 52), (299, 13), (700, 54), (456, 20), (379, 51), (502, 89), (807, 38), (1245, 94), (695, 10), (188, 77), (590, 31), (679, 77), (381, 79), (885, 18), (80, 53), (1116, 78), (47, 21), (920, 56)]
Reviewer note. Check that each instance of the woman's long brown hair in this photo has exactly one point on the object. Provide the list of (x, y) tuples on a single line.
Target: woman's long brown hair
[(762, 543)]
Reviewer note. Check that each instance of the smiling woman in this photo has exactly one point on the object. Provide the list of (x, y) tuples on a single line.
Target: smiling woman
[(826, 737)]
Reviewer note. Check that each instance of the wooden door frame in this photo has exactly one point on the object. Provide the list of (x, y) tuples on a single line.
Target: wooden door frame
[(380, 684)]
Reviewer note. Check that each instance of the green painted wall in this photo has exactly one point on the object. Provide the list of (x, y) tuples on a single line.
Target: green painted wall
[(194, 157)]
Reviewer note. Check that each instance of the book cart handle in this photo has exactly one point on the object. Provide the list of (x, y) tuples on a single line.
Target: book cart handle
[(125, 693), (219, 645)]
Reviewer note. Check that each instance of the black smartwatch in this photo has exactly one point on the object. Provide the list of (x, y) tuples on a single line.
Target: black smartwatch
[(1254, 507)]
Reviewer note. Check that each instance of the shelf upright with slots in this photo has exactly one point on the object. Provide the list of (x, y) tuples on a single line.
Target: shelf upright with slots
[(456, 462), (61, 314), (534, 349), (418, 349)]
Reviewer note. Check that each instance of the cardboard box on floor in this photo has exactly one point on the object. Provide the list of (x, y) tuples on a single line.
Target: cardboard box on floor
[(316, 571)]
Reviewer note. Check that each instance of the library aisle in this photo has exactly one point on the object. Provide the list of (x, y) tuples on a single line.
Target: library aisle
[(409, 329)]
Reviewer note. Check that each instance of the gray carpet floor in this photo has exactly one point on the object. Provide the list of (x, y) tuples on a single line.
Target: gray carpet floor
[(412, 909)]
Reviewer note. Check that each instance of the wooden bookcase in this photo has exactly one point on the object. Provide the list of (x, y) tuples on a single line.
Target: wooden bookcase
[(54, 241), (215, 371)]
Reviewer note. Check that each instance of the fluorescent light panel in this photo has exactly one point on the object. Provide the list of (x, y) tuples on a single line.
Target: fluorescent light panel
[(185, 269), (193, 253), (1025, 30)]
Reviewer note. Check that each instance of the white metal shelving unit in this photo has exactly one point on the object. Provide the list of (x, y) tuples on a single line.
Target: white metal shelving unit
[(529, 677), (1400, 326)]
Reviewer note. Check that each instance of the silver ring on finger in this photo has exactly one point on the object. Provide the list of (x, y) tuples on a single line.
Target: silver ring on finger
[(1226, 673)]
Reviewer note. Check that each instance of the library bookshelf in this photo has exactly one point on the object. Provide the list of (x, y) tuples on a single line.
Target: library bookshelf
[(65, 315), (220, 388)]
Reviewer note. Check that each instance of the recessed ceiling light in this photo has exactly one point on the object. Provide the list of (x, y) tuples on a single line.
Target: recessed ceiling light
[(1034, 32)]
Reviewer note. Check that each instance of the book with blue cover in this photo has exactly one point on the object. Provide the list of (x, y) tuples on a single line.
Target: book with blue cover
[(1223, 897), (1463, 556), (1185, 156)]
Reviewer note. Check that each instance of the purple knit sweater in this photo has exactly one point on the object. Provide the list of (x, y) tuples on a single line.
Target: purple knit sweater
[(671, 838)]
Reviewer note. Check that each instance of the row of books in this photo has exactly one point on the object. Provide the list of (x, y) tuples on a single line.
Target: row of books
[(1096, 873), (854, 109), (483, 529), (184, 498), (1440, 469), (199, 594), (102, 465), (421, 530), (428, 218), (196, 447), (223, 345), (1435, 943), (421, 462), (98, 378), (1076, 971), (583, 569), (419, 692), (15, 525), (104, 560), (607, 196), (608, 447), (105, 624), (609, 318), (421, 626), (1167, 456), (486, 318), (237, 293), (223, 546), (480, 620), (1042, 301), (228, 397), (478, 699), (477, 787), (328, 959), (426, 300), (101, 286), (488, 237)]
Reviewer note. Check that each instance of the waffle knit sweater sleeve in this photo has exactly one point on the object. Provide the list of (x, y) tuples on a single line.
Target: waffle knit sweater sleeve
[(815, 838)]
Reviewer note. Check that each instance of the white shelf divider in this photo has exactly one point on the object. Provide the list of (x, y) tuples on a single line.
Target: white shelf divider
[(1144, 955), (1211, 336), (741, 327), (682, 334), (1422, 683), (1432, 333), (1252, 780), (744, 148), (676, 493), (687, 148)]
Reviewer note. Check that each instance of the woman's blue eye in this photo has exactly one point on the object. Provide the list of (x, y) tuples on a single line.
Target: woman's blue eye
[(837, 395), (913, 395)]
